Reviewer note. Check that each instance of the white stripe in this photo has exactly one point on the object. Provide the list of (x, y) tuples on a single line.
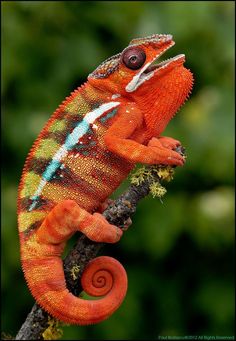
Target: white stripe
[(83, 126), (115, 96), (131, 86), (62, 152), (73, 138), (40, 187), (93, 115)]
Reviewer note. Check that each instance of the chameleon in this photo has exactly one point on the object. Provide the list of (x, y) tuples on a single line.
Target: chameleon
[(86, 149)]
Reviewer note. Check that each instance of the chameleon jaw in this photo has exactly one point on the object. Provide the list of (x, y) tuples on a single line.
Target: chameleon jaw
[(150, 69), (170, 62)]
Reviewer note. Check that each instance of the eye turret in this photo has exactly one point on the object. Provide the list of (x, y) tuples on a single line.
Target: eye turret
[(133, 58)]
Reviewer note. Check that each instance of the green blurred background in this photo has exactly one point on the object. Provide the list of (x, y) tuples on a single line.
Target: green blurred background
[(178, 254)]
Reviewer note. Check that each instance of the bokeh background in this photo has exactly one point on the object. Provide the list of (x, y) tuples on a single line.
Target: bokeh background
[(179, 252)]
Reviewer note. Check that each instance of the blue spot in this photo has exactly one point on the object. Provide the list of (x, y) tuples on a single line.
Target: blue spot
[(51, 169), (85, 153), (109, 115), (32, 206), (34, 198), (37, 202)]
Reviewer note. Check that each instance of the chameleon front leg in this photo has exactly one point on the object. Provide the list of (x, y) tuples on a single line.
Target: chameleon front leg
[(164, 141), (43, 267), (118, 140)]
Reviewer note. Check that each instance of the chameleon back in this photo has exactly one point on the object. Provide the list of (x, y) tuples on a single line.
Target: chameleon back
[(69, 159)]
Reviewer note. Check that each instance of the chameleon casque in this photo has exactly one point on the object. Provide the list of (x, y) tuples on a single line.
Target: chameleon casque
[(86, 149)]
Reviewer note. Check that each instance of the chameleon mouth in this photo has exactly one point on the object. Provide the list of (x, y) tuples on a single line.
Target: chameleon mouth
[(170, 62), (158, 68), (152, 68)]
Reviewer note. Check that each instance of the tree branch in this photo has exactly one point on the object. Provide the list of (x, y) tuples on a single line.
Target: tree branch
[(118, 213)]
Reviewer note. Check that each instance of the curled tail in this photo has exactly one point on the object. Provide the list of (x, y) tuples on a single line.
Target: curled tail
[(103, 276), (41, 251)]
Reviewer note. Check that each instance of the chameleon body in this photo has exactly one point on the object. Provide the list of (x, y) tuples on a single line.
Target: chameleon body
[(86, 149)]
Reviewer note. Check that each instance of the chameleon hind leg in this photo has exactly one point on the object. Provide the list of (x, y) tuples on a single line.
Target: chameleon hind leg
[(67, 217)]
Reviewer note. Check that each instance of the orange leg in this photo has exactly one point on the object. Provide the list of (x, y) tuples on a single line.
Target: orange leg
[(67, 217), (117, 140), (166, 142)]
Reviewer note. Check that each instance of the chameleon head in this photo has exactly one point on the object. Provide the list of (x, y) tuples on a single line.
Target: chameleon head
[(134, 66), (135, 74)]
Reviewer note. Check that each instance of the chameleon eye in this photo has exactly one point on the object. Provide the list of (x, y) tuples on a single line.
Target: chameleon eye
[(134, 58)]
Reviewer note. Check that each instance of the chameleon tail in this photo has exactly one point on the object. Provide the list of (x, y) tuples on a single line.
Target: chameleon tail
[(103, 276), (41, 251)]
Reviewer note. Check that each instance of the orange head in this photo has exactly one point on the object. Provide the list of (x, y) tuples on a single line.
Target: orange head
[(158, 89)]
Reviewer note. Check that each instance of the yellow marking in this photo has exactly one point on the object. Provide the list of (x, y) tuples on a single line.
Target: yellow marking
[(57, 193), (25, 219), (31, 182), (78, 105), (57, 126), (84, 168), (47, 148)]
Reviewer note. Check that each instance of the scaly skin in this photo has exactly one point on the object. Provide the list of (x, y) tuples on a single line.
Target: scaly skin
[(87, 148)]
